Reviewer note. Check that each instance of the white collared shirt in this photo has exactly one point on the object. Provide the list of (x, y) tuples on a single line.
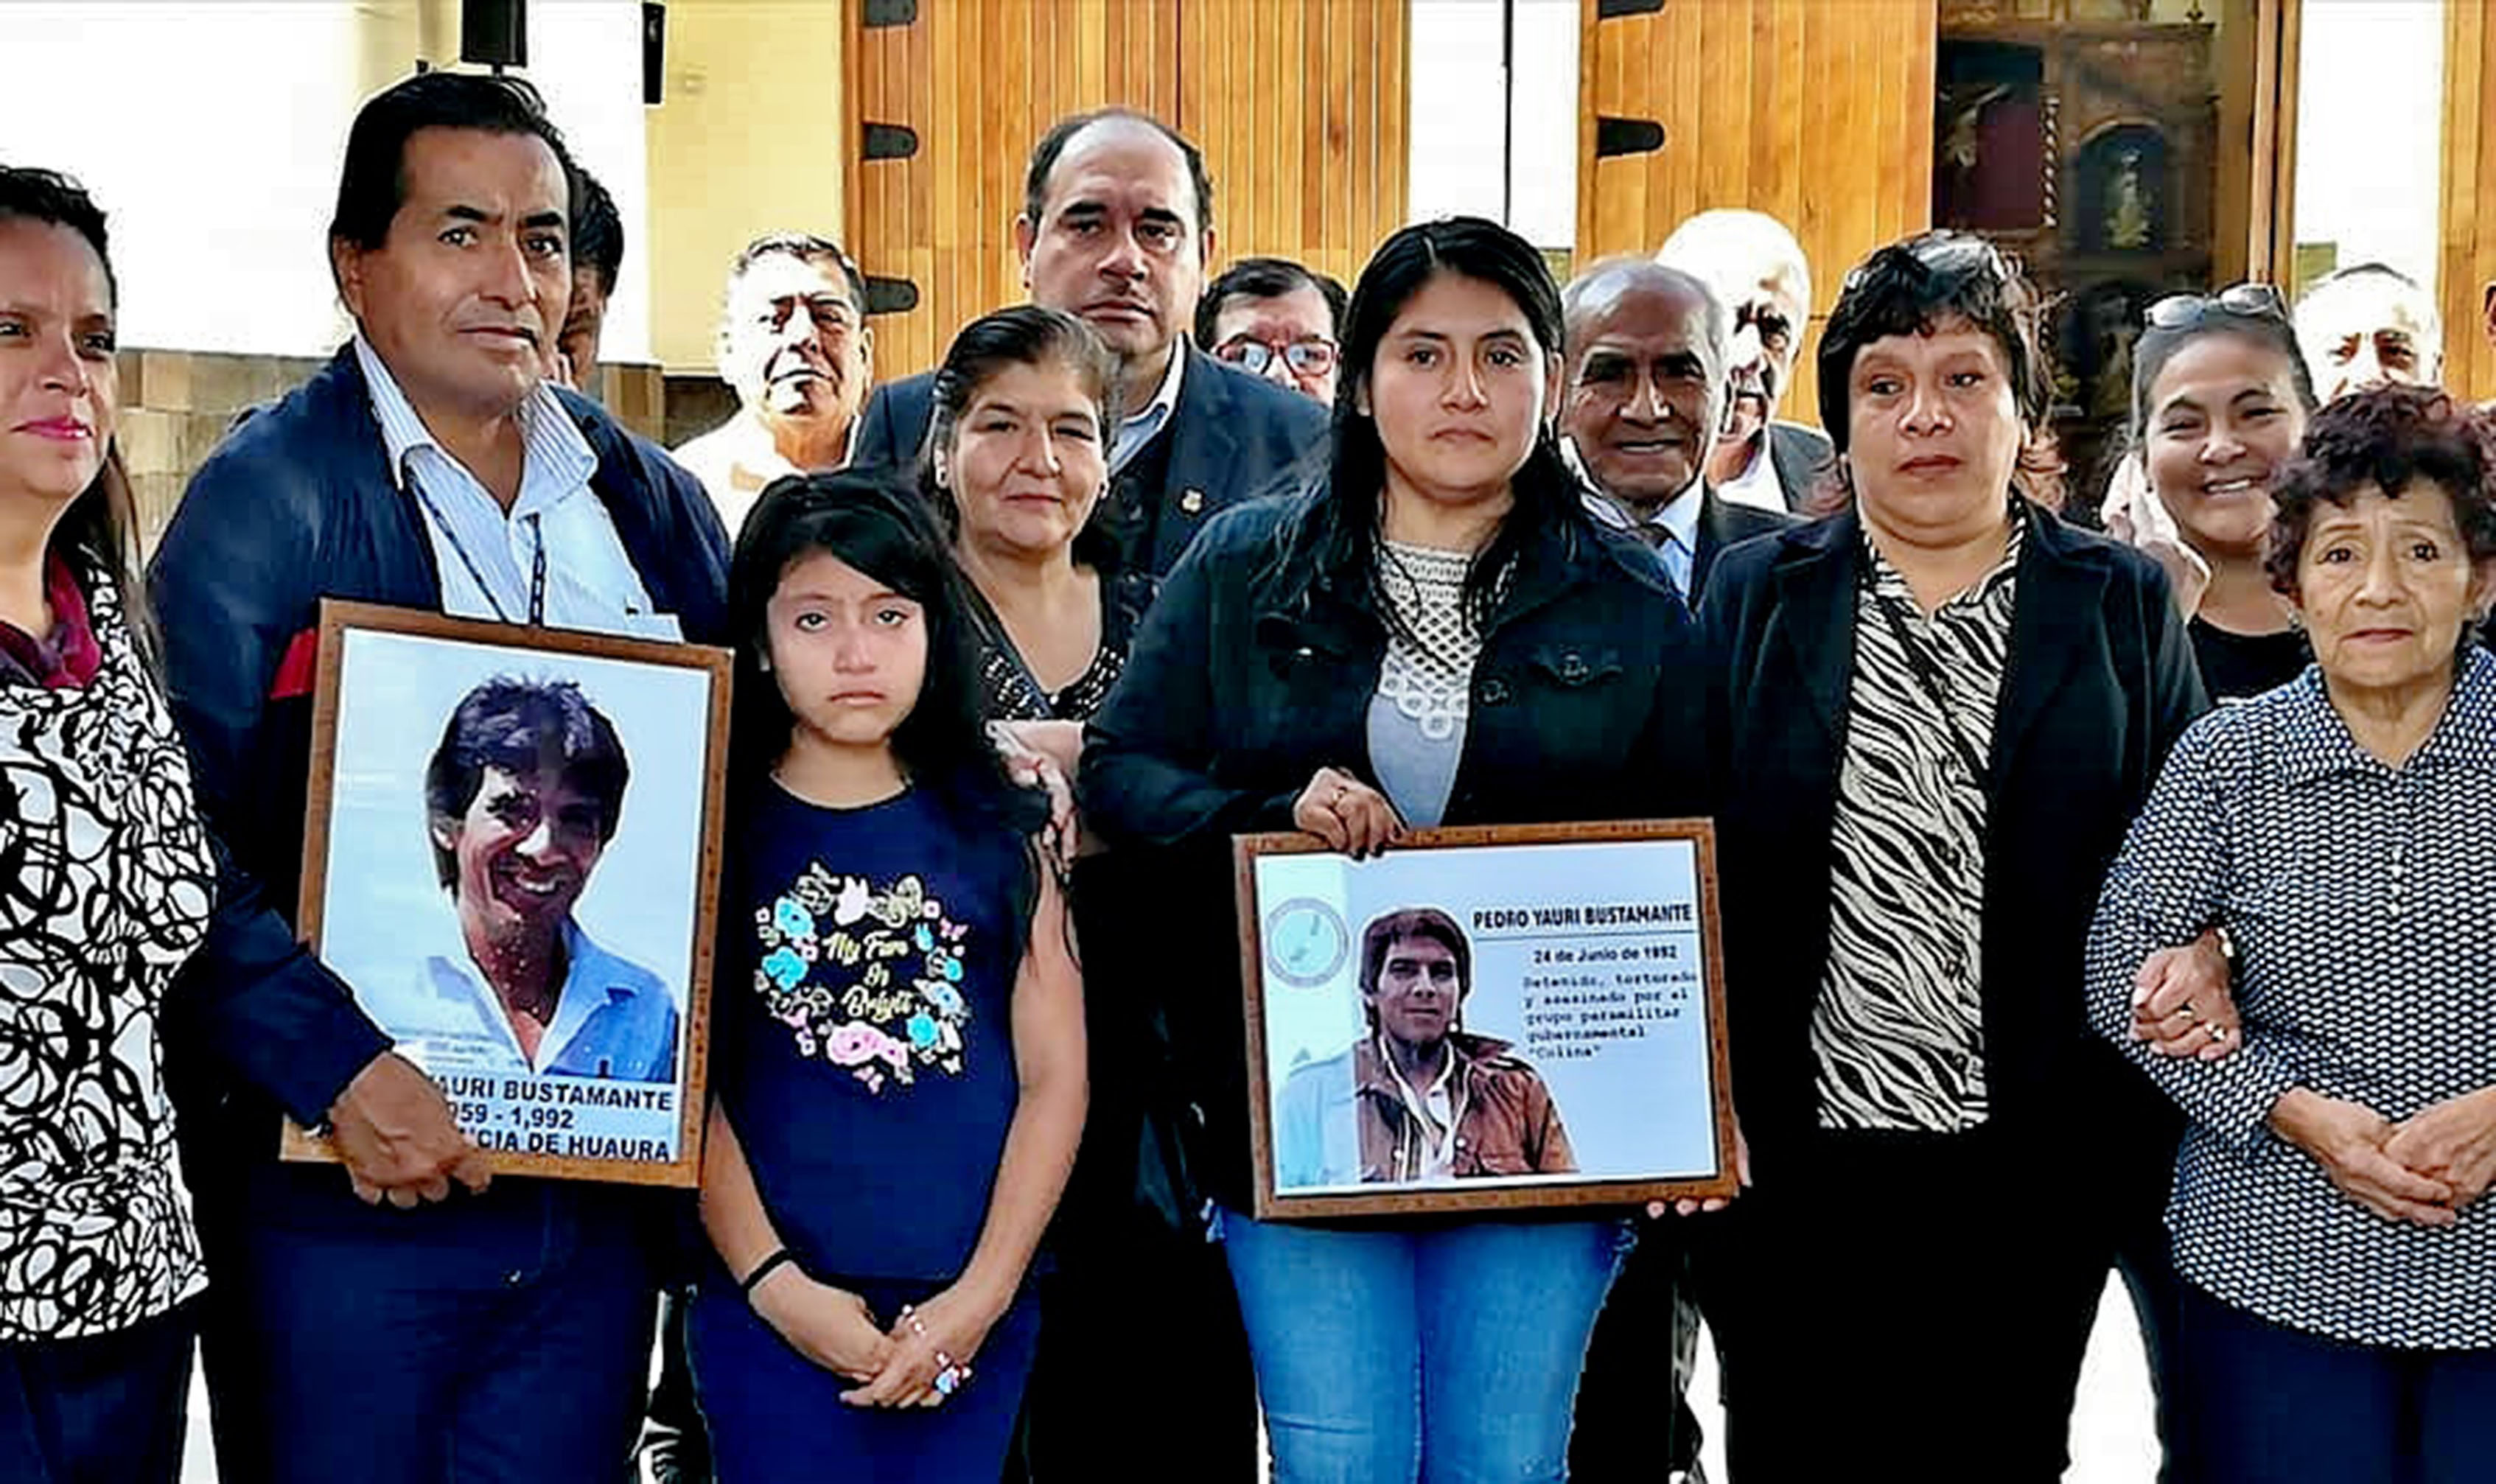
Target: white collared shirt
[(1134, 432), (736, 460), (488, 557), (1676, 519), (1758, 484)]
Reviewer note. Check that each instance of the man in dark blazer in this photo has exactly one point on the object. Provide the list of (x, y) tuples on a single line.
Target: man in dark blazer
[(1757, 269), (428, 466), (1643, 387), (1118, 229)]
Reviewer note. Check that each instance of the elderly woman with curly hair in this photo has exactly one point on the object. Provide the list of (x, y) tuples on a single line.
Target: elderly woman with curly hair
[(2336, 1319)]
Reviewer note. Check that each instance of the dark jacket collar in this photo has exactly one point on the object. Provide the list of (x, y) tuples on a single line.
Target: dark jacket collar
[(2056, 620), (648, 498), (1339, 617)]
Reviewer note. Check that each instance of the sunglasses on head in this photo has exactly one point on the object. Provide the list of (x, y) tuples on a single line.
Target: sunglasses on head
[(1313, 357), (2254, 300)]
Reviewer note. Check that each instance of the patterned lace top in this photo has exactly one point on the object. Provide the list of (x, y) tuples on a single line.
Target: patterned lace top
[(108, 890), (1431, 646)]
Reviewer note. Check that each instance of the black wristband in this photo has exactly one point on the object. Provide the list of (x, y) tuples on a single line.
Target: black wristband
[(763, 1270)]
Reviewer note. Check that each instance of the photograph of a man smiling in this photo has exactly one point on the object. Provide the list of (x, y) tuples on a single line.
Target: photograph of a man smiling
[(522, 797)]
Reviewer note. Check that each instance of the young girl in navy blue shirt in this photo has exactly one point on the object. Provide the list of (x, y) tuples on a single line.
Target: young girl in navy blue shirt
[(898, 1042)]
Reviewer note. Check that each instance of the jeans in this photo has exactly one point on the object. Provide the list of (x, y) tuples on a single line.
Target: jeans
[(2262, 1404), (105, 1409), (1447, 1354)]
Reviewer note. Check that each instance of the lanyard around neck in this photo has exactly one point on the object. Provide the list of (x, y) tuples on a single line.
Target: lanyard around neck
[(536, 616), (1928, 679)]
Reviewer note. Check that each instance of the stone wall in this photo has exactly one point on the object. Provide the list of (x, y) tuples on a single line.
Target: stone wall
[(176, 405)]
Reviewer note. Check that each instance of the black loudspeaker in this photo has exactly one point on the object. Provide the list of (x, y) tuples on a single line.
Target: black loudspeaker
[(494, 32), (654, 52)]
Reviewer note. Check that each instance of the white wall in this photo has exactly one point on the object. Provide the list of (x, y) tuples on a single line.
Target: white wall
[(1456, 143), (211, 132), (2370, 131)]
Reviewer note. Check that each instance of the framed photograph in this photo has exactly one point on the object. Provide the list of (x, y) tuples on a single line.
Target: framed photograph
[(1485, 1018), (512, 859)]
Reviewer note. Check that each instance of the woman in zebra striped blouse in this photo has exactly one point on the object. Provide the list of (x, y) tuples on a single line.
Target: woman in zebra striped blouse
[(1933, 713)]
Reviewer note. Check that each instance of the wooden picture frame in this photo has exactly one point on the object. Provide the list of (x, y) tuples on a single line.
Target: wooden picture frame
[(1607, 1050), (624, 842)]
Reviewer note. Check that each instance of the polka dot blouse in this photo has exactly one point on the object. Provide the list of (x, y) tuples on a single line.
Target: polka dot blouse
[(2363, 902)]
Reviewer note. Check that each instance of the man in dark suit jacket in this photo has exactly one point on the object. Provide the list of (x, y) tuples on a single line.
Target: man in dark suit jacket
[(1645, 387), (1118, 228)]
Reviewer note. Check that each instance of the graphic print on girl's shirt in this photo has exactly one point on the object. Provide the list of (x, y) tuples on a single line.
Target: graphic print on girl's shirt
[(865, 978)]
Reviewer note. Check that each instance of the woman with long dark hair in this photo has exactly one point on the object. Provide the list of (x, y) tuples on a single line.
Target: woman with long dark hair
[(106, 888), (898, 1079), (1433, 633)]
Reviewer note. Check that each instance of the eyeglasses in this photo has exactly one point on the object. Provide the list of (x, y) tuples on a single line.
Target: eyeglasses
[(1313, 357), (2254, 300)]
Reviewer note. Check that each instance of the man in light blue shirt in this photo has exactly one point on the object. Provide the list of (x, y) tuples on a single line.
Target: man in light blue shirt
[(522, 797)]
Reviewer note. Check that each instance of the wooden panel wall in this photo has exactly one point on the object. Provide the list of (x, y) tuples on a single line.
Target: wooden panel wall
[(2468, 261), (1300, 106), (1820, 115)]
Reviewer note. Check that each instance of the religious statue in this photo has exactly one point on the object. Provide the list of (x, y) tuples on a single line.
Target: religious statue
[(2127, 224)]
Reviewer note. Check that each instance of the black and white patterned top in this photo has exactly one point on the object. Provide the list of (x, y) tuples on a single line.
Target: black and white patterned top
[(2358, 896), (1898, 1031), (105, 885)]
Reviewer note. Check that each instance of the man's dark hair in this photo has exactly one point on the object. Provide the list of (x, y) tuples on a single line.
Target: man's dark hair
[(805, 247), (372, 183), (1024, 335), (1265, 278), (1917, 286), (523, 727), (1053, 144), (597, 229), (1423, 923), (2390, 437), (100, 529)]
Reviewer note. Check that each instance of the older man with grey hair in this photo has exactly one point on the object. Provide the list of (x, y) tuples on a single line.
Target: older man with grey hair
[(1757, 269), (2368, 325), (1645, 387)]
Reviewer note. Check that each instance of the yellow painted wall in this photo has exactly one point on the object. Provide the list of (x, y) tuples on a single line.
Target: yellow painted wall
[(749, 140)]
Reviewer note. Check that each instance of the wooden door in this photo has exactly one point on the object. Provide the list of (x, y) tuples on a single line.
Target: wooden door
[(1820, 115), (1299, 106)]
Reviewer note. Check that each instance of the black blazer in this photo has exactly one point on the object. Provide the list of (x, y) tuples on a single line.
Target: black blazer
[(1803, 455), (1723, 523), (2101, 683), (1231, 436)]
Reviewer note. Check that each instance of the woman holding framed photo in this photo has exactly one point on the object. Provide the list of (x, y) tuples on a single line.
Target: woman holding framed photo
[(1435, 632)]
